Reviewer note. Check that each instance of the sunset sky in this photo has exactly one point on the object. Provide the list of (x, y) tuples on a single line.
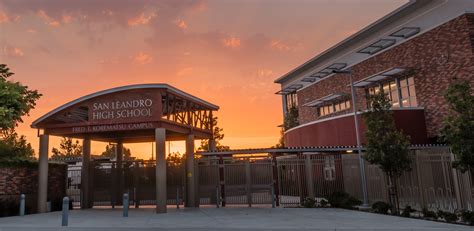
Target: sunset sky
[(227, 52)]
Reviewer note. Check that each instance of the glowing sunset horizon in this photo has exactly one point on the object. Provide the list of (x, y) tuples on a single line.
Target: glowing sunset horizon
[(225, 52)]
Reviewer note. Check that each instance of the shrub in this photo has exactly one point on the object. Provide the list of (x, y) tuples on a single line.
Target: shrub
[(324, 202), (429, 214), (343, 200), (467, 217), (447, 216), (309, 203), (380, 207), (407, 211)]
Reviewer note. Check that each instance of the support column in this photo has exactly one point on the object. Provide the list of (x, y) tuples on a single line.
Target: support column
[(160, 170), (190, 173), (43, 173), (85, 183), (119, 158), (222, 179), (276, 181), (309, 176)]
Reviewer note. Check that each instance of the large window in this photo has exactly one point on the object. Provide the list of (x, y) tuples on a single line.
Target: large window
[(291, 101), (401, 92), (334, 107)]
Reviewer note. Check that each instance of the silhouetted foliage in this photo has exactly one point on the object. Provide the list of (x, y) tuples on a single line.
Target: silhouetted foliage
[(458, 129), (68, 148), (218, 136), (291, 118)]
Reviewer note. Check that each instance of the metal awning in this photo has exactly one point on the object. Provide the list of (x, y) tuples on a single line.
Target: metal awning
[(406, 32), (292, 88), (390, 73), (324, 72), (377, 46), (325, 99)]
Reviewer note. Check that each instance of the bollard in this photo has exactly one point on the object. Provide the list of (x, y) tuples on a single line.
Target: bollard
[(22, 204), (273, 197), (218, 199), (177, 197), (125, 205), (65, 211)]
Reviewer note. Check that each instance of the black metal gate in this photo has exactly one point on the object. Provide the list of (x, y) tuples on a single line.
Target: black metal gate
[(137, 178)]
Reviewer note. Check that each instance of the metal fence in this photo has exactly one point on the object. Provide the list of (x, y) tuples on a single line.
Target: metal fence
[(432, 182), (290, 178)]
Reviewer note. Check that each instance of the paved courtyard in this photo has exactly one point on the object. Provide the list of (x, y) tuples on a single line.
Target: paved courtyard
[(258, 218)]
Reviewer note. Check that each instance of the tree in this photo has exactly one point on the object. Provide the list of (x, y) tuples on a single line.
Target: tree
[(218, 135), (281, 140), (15, 147), (458, 125), (111, 153), (67, 149), (387, 147), (291, 118), (16, 101)]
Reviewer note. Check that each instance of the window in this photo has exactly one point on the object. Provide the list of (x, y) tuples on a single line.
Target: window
[(401, 92), (291, 101), (334, 107)]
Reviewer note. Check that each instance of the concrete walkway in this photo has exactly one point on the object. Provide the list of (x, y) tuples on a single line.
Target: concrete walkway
[(222, 219)]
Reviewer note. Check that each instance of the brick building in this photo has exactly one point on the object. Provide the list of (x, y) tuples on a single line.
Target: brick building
[(413, 53)]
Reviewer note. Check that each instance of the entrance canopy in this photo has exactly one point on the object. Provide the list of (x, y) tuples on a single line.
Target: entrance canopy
[(131, 114)]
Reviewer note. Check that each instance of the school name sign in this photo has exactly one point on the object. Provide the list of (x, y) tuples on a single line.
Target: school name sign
[(122, 109)]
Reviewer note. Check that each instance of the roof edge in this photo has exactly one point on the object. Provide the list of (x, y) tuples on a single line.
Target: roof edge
[(398, 12), (123, 88)]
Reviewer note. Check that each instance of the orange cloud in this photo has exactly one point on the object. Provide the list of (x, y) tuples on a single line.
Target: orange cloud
[(279, 45), (142, 58), (181, 24), (232, 42), (13, 51), (142, 19), (184, 71), (264, 73), (4, 17), (47, 19)]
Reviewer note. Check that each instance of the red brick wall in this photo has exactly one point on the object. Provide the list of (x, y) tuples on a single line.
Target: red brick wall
[(437, 57), (17, 180)]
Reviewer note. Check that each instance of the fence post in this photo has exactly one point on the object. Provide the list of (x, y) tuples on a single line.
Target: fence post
[(309, 176), (125, 205), (218, 200), (276, 182), (273, 195), (177, 196), (420, 183), (248, 182), (222, 179), (22, 204), (65, 212), (456, 183)]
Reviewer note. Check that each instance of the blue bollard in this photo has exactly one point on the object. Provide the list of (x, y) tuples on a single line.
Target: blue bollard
[(22, 204), (65, 211), (125, 205)]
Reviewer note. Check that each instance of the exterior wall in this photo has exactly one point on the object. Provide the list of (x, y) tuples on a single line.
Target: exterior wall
[(340, 131), (17, 180), (437, 58)]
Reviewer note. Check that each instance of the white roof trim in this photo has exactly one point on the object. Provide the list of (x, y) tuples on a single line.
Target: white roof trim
[(123, 88)]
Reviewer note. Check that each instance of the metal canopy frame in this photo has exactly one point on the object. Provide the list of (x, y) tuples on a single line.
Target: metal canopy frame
[(325, 99), (377, 46), (406, 32), (381, 76)]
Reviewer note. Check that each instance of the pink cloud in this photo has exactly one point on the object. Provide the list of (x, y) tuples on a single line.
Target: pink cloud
[(232, 42), (181, 24), (142, 58)]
